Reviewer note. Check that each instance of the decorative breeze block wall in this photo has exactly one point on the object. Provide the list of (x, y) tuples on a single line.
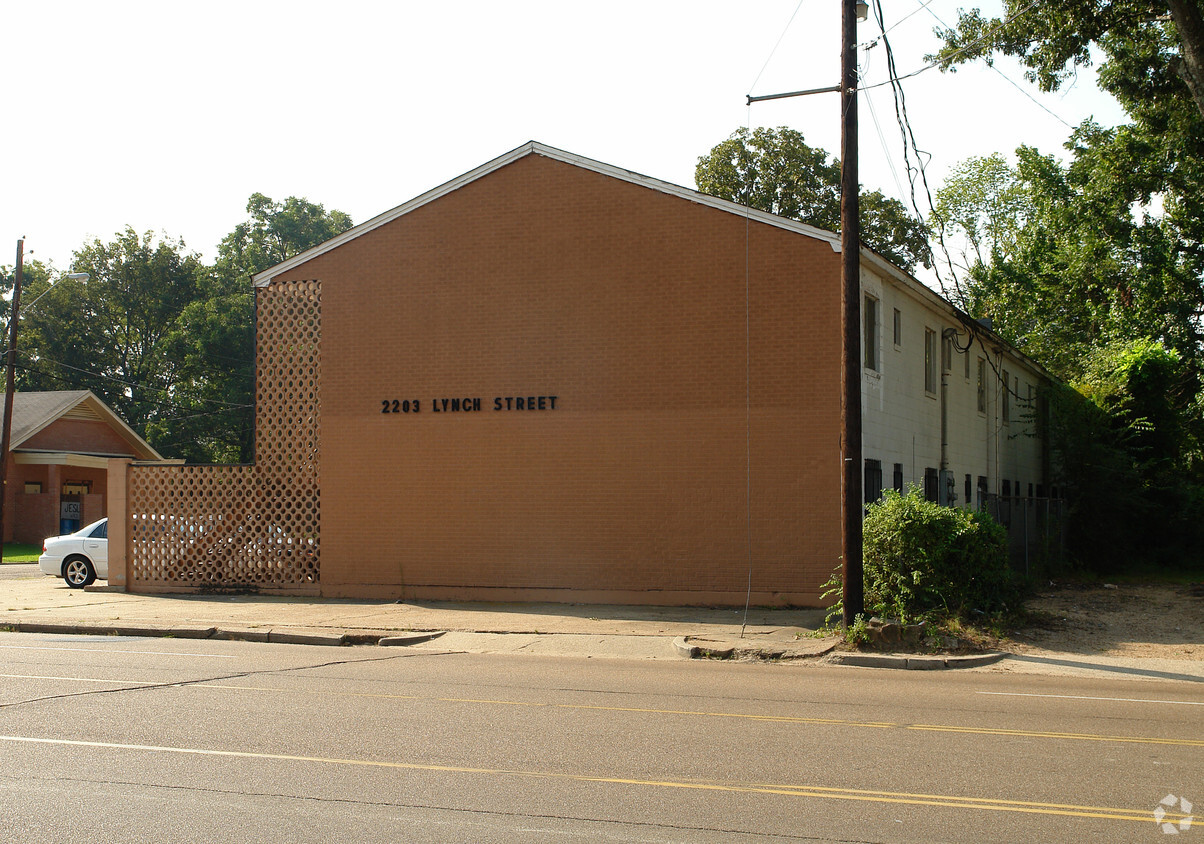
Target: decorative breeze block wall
[(254, 527)]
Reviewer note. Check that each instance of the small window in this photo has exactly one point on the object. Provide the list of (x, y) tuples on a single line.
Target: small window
[(982, 386), (1006, 491), (929, 360), (932, 482), (33, 488), (969, 490), (1007, 398), (1030, 490), (983, 490), (898, 327), (101, 531), (898, 477), (873, 481), (870, 318)]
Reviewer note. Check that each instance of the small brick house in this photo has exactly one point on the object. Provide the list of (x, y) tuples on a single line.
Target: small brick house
[(59, 451), (555, 379)]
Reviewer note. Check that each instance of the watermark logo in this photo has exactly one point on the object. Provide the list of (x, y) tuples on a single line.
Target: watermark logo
[(1179, 805)]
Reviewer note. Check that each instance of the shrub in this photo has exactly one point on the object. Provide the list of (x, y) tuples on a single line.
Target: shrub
[(924, 560)]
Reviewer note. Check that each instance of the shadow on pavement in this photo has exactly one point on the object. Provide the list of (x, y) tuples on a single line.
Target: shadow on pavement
[(1115, 669)]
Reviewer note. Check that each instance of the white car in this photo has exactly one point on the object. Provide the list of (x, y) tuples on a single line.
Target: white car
[(78, 558)]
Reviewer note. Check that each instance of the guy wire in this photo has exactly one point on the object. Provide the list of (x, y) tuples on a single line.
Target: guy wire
[(747, 398)]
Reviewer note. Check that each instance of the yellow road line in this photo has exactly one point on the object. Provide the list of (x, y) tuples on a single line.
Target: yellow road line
[(779, 719), (818, 792), (991, 731)]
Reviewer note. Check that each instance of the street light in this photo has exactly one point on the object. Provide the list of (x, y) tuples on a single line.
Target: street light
[(10, 376), (71, 276)]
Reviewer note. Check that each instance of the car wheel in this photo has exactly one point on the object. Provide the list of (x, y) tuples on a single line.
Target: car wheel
[(78, 572)]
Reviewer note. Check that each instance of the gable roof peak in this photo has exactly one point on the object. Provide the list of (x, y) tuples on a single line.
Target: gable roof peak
[(263, 279)]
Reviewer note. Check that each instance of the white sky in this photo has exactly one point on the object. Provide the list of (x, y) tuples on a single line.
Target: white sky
[(166, 116)]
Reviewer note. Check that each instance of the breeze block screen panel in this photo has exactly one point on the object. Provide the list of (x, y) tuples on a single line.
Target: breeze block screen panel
[(251, 527)]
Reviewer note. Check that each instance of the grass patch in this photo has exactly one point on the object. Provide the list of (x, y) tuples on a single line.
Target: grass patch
[(18, 552)]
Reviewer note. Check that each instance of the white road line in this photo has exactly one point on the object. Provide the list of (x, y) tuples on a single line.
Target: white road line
[(1087, 697), (81, 679), (109, 651)]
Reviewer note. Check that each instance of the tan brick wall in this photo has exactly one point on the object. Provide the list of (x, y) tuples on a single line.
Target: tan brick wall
[(628, 306), (80, 436), (36, 516)]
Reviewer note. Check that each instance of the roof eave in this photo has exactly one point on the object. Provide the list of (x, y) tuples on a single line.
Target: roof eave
[(263, 279)]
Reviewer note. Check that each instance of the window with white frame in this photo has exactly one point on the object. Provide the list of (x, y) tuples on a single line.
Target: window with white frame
[(1006, 411), (982, 386), (869, 316), (929, 360)]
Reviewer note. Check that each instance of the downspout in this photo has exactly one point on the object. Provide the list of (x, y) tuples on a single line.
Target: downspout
[(943, 496)]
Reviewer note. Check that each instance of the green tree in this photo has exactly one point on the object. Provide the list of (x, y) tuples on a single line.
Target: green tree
[(36, 278), (1156, 41), (983, 202), (1086, 264), (1127, 440), (275, 232), (214, 340), (775, 170), (111, 334)]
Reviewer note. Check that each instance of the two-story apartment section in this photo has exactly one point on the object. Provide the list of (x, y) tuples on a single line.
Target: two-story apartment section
[(948, 406)]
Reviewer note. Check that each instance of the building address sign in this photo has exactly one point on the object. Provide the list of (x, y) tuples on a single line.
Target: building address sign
[(467, 405)]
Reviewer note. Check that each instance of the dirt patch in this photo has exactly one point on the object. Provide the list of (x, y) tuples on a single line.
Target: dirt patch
[(1154, 621)]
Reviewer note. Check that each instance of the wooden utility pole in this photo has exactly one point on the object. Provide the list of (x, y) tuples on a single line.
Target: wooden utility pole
[(850, 253), (852, 508), (9, 387)]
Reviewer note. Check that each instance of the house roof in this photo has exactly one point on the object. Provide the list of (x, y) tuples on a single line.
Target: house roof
[(33, 412), (535, 148)]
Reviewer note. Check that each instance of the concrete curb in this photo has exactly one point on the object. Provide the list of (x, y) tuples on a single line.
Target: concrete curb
[(115, 630), (285, 635), (409, 638), (291, 637), (915, 662), (688, 647), (706, 649), (696, 647)]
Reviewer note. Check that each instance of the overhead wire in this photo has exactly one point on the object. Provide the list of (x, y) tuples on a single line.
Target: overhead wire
[(973, 328), (131, 384), (777, 44)]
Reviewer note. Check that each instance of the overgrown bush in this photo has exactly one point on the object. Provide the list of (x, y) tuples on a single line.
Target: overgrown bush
[(1127, 445), (922, 560)]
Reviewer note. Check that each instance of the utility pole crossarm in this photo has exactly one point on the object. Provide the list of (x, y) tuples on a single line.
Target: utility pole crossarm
[(834, 89)]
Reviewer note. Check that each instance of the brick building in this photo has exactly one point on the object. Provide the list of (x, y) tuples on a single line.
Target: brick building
[(59, 453), (553, 379)]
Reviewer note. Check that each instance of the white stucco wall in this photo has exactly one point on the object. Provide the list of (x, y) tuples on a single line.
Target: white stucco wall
[(902, 419)]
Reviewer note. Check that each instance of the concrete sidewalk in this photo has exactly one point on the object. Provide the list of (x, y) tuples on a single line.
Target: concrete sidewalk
[(32, 602)]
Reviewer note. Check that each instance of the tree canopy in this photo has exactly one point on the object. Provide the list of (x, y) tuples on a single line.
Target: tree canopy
[(1099, 272), (1154, 44), (775, 170), (160, 336)]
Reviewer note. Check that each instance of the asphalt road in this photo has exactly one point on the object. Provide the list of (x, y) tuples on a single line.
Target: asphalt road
[(13, 571), (122, 739)]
